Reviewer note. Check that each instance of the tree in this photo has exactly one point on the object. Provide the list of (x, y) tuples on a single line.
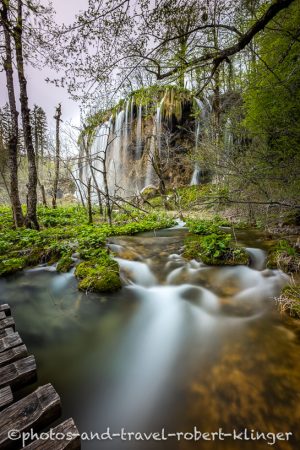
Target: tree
[(57, 118), (39, 127), (172, 38), (13, 131), (31, 214)]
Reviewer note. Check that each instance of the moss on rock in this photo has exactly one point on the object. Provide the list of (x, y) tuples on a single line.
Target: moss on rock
[(12, 265), (99, 275), (215, 249), (64, 264), (284, 256)]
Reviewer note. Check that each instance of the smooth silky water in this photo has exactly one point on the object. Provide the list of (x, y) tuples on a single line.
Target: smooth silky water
[(181, 345)]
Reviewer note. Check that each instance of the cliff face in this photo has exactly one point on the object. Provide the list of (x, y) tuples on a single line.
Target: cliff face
[(147, 138)]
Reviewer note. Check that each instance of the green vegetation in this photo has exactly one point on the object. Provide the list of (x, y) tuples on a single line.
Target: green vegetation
[(12, 265), (205, 227), (283, 255), (210, 244), (289, 300), (64, 264), (99, 274), (64, 231), (215, 249)]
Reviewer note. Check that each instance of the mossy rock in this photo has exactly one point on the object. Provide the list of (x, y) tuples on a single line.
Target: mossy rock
[(284, 256), (12, 265), (149, 192), (215, 249), (64, 264), (99, 275)]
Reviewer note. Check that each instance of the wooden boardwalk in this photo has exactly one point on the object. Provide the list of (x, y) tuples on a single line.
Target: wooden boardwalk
[(36, 411)]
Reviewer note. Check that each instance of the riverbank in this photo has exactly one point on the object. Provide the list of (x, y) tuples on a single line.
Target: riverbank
[(66, 236)]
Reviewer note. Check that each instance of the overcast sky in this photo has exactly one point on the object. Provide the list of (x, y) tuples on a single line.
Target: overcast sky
[(43, 94)]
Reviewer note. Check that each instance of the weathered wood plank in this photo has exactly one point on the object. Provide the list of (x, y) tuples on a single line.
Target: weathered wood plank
[(12, 355), (6, 308), (35, 411), (18, 373), (6, 332), (10, 341), (6, 397), (6, 323), (71, 441)]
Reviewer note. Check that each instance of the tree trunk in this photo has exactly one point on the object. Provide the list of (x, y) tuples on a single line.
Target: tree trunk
[(13, 138), (31, 220), (41, 186), (57, 156), (106, 189), (89, 201)]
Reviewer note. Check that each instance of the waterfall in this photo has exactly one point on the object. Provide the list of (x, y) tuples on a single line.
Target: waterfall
[(115, 158), (138, 148), (125, 139), (228, 135), (149, 168), (157, 130), (159, 122), (196, 177), (98, 150), (131, 111)]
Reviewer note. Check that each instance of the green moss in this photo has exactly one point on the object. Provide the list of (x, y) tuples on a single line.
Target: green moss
[(284, 256), (64, 264), (12, 265), (99, 275), (215, 249), (149, 192), (69, 234)]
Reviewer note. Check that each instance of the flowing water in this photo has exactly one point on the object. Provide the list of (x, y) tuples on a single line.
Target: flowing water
[(182, 345)]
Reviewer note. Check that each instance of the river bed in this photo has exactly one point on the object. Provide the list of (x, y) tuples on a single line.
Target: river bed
[(182, 345)]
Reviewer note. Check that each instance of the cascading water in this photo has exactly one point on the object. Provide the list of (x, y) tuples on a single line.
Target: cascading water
[(155, 139), (150, 173), (179, 338), (138, 148), (100, 146), (228, 136), (126, 131), (196, 177), (129, 166)]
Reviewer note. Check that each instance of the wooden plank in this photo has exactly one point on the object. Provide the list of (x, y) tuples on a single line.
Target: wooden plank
[(13, 354), (5, 308), (6, 323), (35, 411), (10, 341), (18, 373), (6, 332), (6, 397), (67, 429)]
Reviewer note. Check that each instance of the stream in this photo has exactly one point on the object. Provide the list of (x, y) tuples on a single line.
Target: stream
[(182, 345)]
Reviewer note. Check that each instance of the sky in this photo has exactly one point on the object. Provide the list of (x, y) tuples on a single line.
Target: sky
[(39, 91)]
